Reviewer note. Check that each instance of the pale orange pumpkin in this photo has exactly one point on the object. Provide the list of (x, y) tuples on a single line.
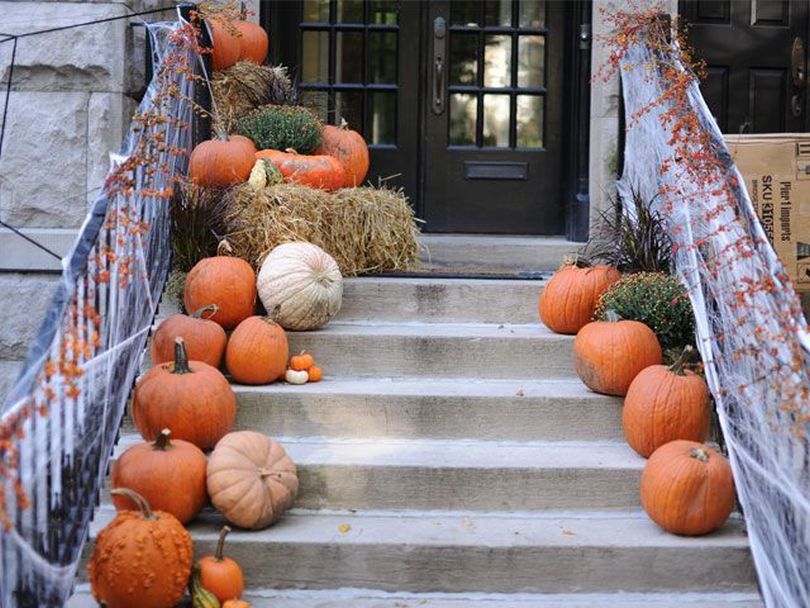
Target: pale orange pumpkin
[(205, 340), (349, 148), (318, 171), (253, 41), (257, 351), (219, 163), (226, 47)]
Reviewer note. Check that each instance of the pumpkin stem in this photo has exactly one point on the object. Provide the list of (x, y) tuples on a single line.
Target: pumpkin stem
[(576, 260), (612, 316), (139, 500), (343, 124), (677, 367), (198, 314), (163, 441), (700, 453), (180, 357), (291, 150), (221, 543), (224, 248)]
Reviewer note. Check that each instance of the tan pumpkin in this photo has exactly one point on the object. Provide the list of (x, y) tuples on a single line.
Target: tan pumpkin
[(302, 284), (663, 404), (257, 351), (221, 163), (205, 340), (141, 559), (221, 575), (349, 148), (226, 47), (253, 41), (687, 488), (251, 480), (319, 171), (608, 355), (170, 475), (191, 398), (568, 300), (228, 283)]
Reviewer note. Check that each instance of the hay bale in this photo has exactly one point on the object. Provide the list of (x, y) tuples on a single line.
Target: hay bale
[(246, 86), (367, 230)]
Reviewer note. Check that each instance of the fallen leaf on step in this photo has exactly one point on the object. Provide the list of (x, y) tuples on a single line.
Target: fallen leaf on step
[(568, 532), (467, 523), (343, 528)]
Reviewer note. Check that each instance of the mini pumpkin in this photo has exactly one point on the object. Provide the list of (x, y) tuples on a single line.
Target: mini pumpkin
[(349, 148), (221, 163), (302, 284), (315, 374), (221, 575), (302, 361), (141, 559), (191, 398), (687, 488), (253, 41), (236, 604), (319, 171), (251, 479), (608, 355), (205, 340), (257, 351), (292, 376)]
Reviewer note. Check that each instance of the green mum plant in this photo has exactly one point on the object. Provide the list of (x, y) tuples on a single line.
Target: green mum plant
[(282, 127)]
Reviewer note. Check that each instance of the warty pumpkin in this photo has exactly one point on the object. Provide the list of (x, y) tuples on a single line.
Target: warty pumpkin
[(141, 559), (191, 398), (319, 171), (253, 41), (568, 300), (302, 284), (349, 148), (226, 46), (251, 479), (205, 340), (663, 404), (687, 488), (227, 282), (219, 163), (257, 351), (608, 355), (221, 575), (170, 475)]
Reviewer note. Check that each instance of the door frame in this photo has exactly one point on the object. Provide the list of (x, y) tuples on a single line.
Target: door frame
[(574, 193)]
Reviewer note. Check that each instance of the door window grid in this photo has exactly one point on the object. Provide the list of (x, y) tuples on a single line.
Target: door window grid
[(507, 60), (340, 80)]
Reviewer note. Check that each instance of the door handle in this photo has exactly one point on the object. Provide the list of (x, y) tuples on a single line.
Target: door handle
[(798, 66), (439, 34)]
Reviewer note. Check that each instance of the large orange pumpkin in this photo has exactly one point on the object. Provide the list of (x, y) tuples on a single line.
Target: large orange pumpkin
[(228, 283), (257, 351), (319, 171), (687, 488), (226, 45), (170, 475), (664, 404), (205, 339), (253, 42), (191, 398), (221, 575), (221, 163), (349, 148), (142, 559), (609, 354), (568, 300)]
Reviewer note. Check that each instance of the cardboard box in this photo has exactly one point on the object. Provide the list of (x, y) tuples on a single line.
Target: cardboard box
[(776, 170)]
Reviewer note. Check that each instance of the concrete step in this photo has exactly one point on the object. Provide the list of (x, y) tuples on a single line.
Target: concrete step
[(438, 349), (461, 475), (449, 552)]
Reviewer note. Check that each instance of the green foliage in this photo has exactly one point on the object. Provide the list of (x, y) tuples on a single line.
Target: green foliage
[(281, 127), (656, 299)]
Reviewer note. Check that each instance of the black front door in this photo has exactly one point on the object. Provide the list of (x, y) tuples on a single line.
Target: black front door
[(755, 53)]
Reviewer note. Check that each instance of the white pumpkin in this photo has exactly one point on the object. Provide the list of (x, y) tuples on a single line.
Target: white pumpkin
[(300, 286)]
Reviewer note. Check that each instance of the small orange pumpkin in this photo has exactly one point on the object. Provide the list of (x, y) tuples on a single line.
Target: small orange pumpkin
[(302, 362), (318, 171), (687, 488), (226, 45), (236, 604), (221, 575), (609, 354), (253, 42), (221, 163), (205, 339), (664, 404), (315, 374), (568, 300), (257, 351), (349, 148)]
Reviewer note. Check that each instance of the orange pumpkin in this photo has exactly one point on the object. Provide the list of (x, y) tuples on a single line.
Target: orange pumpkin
[(568, 301), (192, 399), (170, 475), (226, 43), (226, 282), (302, 362), (315, 374), (221, 163), (687, 488), (320, 171), (257, 352), (664, 404), (609, 354), (221, 575), (141, 559), (205, 339), (236, 604), (349, 148), (253, 42), (245, 142)]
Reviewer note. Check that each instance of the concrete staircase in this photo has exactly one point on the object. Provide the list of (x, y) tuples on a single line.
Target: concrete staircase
[(450, 458)]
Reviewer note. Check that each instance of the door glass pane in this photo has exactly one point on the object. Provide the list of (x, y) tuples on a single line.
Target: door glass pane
[(463, 58), (349, 11), (316, 11), (349, 61), (532, 13), (349, 107), (496, 120), (498, 12), (530, 121), (382, 57), (465, 12), (318, 102), (315, 65), (463, 113), (382, 127), (497, 60), (383, 12), (531, 61)]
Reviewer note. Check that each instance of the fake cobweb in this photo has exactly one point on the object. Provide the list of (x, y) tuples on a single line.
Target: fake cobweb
[(750, 329)]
